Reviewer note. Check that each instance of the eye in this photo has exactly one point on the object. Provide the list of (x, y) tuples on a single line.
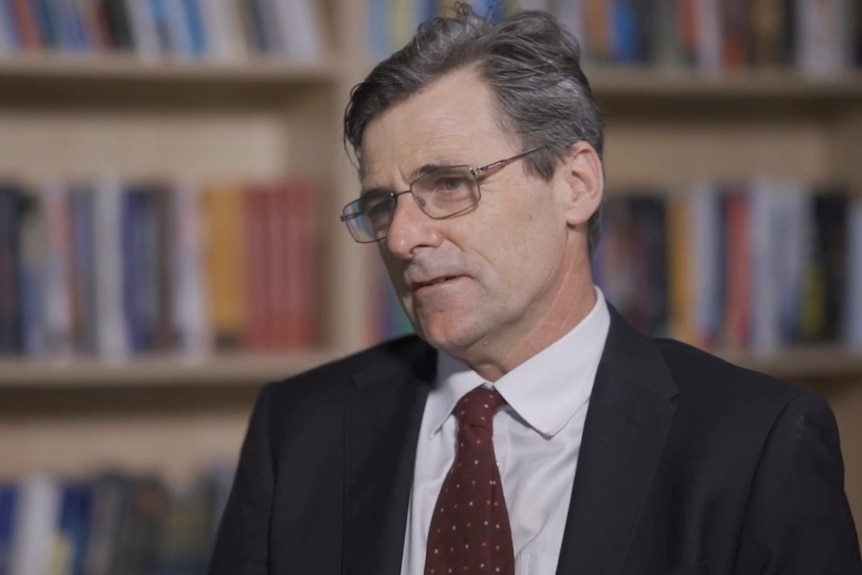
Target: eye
[(376, 205), (450, 182)]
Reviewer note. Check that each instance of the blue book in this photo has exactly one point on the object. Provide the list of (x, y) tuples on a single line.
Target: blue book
[(45, 23), (76, 503), (73, 23), (10, 32), (496, 10), (60, 13), (161, 19), (83, 264), (428, 10), (625, 32), (378, 29), (8, 507), (196, 28), (133, 254)]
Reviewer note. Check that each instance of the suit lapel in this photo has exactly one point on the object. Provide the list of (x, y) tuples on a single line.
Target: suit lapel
[(382, 424), (628, 418)]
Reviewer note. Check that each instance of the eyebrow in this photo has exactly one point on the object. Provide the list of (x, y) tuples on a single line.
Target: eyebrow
[(420, 171), (428, 168), (374, 190)]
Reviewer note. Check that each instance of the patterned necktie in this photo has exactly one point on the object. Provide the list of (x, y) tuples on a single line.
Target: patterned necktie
[(470, 532)]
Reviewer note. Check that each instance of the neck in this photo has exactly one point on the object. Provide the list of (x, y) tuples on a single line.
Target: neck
[(493, 360)]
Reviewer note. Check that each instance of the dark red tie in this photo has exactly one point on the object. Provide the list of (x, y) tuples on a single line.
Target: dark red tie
[(470, 532)]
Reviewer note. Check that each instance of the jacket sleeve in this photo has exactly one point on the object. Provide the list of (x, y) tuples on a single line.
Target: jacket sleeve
[(798, 519), (242, 542)]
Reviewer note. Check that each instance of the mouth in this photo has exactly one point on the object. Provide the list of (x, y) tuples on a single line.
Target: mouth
[(434, 282)]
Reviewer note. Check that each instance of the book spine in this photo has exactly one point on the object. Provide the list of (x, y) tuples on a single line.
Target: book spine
[(112, 342), (854, 275), (10, 328)]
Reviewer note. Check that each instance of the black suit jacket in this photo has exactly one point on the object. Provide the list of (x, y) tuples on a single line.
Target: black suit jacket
[(688, 466)]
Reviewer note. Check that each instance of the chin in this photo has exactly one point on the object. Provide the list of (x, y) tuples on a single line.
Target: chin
[(452, 337)]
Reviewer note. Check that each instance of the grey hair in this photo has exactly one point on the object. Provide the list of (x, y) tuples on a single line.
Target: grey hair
[(532, 65)]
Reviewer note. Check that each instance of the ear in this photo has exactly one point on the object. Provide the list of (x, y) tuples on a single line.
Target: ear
[(583, 182)]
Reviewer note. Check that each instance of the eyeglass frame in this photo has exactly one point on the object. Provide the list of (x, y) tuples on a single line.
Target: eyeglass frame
[(477, 173)]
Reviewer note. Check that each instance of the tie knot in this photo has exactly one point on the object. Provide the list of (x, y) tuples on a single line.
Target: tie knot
[(478, 407)]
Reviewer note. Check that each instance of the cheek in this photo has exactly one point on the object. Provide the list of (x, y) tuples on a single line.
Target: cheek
[(395, 270)]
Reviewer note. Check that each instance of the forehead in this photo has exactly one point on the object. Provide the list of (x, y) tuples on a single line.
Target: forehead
[(453, 120)]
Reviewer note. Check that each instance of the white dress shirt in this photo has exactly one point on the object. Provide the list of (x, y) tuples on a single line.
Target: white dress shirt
[(537, 438)]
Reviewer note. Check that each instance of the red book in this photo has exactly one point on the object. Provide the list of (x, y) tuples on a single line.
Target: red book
[(27, 24), (308, 264), (256, 266), (278, 213), (292, 199), (302, 267), (738, 271)]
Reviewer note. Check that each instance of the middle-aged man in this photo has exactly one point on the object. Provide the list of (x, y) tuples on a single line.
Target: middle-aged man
[(528, 428)]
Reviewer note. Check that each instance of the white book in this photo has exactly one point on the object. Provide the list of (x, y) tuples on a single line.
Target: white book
[(301, 29), (793, 239), (823, 36), (535, 5), (272, 32), (190, 317), (36, 521), (704, 235), (142, 22), (179, 35), (854, 275), (709, 35), (57, 261), (111, 338), (765, 232), (222, 24), (571, 15)]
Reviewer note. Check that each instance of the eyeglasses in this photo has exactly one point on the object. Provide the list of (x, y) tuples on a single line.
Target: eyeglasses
[(440, 193)]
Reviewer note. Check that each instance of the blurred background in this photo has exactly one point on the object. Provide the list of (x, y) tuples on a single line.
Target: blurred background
[(171, 175)]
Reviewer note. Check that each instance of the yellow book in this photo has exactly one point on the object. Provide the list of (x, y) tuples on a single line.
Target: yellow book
[(402, 24), (446, 7), (681, 272), (224, 214)]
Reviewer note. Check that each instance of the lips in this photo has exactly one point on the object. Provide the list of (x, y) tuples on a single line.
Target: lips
[(432, 282)]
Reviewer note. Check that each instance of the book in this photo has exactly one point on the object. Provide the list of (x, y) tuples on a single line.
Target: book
[(57, 297), (823, 41), (111, 335), (190, 293), (8, 512), (226, 253), (10, 297), (301, 25), (36, 520), (853, 325)]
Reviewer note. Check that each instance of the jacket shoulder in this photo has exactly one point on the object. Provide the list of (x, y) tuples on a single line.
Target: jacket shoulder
[(720, 384), (404, 353)]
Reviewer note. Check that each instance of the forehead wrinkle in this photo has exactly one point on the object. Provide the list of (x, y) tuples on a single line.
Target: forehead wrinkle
[(419, 131)]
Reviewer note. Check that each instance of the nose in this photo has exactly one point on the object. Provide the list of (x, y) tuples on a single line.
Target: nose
[(410, 228)]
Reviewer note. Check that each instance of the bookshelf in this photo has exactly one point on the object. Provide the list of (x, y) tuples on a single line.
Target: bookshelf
[(74, 116)]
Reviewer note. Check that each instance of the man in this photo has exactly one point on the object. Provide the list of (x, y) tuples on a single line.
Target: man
[(528, 428)]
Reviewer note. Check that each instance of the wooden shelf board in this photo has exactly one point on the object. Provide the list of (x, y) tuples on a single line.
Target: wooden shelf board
[(780, 84), (56, 66), (238, 369), (802, 362), (257, 369)]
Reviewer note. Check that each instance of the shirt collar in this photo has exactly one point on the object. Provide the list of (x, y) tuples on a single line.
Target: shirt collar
[(547, 390)]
